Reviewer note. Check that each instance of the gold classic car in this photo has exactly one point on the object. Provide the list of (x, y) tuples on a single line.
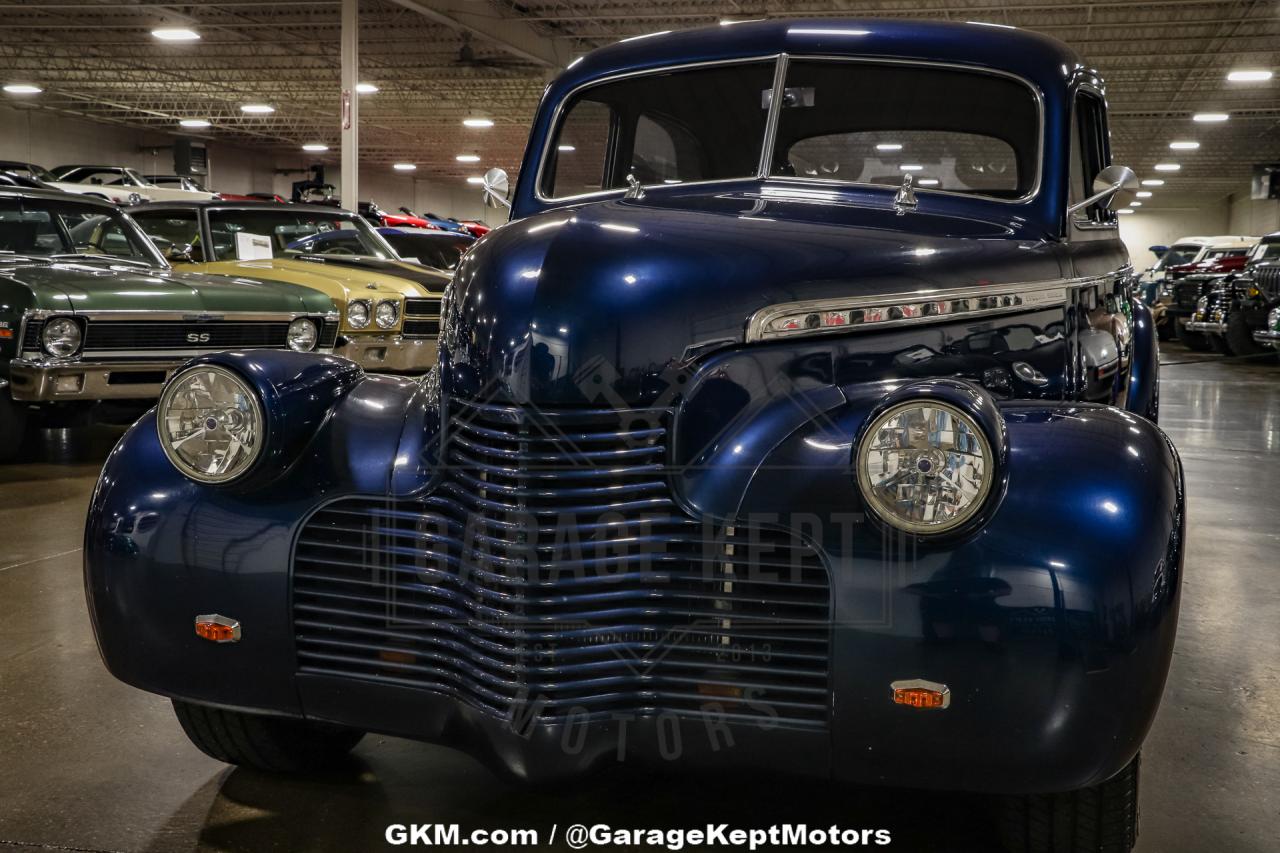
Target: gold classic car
[(390, 308)]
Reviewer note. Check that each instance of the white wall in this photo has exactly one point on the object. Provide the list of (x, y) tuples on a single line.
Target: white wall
[(1162, 226), (48, 139), (1253, 217)]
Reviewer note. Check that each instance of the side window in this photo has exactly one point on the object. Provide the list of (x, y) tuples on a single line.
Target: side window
[(1090, 153), (664, 152), (581, 151)]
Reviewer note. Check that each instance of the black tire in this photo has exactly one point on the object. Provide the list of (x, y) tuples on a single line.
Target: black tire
[(1197, 341), (1220, 345), (13, 426), (1240, 337), (1101, 819), (273, 744)]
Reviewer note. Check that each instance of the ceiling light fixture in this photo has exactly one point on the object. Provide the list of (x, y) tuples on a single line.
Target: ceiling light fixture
[(22, 89), (176, 34), (566, 148), (1184, 146), (404, 167), (194, 122), (478, 122), (475, 179), (1249, 75), (1153, 182), (315, 146), (1167, 167), (1144, 194), (911, 167), (366, 88), (1209, 118), (889, 146), (468, 158), (257, 109)]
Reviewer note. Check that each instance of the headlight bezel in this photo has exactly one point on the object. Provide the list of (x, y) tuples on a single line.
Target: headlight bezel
[(368, 314), (991, 446), (300, 322), (395, 314), (78, 337), (256, 408)]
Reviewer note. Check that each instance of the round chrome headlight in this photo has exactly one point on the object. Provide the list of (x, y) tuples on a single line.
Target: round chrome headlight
[(358, 313), (134, 198), (387, 313), (303, 335), (211, 424), (924, 467), (61, 337)]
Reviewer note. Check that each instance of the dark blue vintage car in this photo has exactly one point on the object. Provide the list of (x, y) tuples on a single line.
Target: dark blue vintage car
[(801, 418)]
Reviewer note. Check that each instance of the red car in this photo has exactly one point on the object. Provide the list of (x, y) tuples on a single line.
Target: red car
[(1214, 263), (377, 216), (476, 227)]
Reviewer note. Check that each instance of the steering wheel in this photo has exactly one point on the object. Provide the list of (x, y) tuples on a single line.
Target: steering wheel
[(338, 250)]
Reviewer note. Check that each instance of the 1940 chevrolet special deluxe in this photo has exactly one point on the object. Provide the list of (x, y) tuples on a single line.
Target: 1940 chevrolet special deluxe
[(801, 418)]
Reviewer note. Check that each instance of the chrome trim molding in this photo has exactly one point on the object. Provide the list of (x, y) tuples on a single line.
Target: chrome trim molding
[(1009, 298), (123, 314), (1207, 326), (776, 98)]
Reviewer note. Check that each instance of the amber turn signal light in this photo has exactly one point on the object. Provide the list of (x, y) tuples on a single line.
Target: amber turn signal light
[(918, 693), (217, 629)]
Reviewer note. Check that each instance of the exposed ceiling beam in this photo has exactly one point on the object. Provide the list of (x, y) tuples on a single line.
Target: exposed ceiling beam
[(512, 34)]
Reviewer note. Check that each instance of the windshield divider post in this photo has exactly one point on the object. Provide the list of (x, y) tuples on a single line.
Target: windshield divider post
[(775, 111)]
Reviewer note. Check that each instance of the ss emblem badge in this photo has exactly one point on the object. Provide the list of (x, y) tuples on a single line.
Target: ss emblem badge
[(198, 337)]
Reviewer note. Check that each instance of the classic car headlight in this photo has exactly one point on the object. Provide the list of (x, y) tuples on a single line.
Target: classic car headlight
[(134, 198), (210, 423), (302, 335), (924, 467), (61, 337), (1273, 320), (358, 313), (387, 313)]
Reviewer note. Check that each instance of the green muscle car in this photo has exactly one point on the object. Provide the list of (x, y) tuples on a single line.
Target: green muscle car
[(91, 312)]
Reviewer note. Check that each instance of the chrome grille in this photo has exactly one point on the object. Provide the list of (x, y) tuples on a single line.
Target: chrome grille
[(1267, 278), (422, 317), (550, 567)]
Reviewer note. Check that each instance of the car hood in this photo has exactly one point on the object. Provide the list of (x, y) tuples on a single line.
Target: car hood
[(88, 287), (431, 279), (337, 281), (636, 285)]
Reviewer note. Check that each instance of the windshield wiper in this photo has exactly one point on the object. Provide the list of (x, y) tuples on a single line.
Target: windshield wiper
[(18, 257), (109, 258)]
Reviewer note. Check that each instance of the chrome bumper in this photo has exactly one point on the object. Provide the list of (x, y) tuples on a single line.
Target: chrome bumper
[(45, 382), (1268, 337), (1206, 326), (390, 354)]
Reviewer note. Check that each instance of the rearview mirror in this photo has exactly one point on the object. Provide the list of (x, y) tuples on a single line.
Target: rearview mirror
[(1109, 183), (496, 188), (180, 254)]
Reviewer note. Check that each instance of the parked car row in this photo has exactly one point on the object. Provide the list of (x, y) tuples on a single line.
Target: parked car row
[(99, 304), (1218, 293)]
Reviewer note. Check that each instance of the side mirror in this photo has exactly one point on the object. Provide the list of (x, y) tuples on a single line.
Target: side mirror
[(1109, 183), (496, 187)]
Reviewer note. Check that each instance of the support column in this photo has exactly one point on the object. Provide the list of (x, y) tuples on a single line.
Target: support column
[(350, 189)]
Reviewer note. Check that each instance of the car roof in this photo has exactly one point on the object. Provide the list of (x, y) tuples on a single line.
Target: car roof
[(56, 195), (91, 166), (215, 204), (1231, 241)]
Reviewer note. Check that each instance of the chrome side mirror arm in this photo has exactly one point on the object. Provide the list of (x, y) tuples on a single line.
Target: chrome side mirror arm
[(1106, 186)]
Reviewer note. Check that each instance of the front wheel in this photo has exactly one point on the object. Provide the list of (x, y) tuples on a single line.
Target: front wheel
[(1240, 337), (13, 426), (273, 744), (1100, 819)]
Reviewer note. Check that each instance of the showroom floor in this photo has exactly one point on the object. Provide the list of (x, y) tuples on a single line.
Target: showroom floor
[(90, 764)]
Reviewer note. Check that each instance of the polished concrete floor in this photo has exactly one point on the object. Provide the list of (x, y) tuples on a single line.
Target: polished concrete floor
[(87, 763)]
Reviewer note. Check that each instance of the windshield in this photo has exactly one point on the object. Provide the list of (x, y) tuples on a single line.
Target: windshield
[(1178, 255), (28, 170), (1266, 251), (37, 227), (440, 251), (1214, 254), (104, 177), (848, 121), (255, 234)]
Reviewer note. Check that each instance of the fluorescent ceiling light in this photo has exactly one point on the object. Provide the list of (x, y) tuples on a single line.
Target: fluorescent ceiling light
[(1204, 118), (825, 31), (928, 182), (176, 34), (1184, 146), (566, 148), (1248, 75), (257, 109), (1153, 182), (1144, 194), (194, 122), (475, 179), (889, 146), (1135, 204), (315, 146), (366, 88), (1167, 167), (911, 167), (1125, 210), (478, 122), (22, 89), (404, 167), (468, 158)]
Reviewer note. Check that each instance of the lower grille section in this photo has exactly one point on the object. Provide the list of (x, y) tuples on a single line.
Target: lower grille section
[(422, 317), (550, 574), (123, 338)]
